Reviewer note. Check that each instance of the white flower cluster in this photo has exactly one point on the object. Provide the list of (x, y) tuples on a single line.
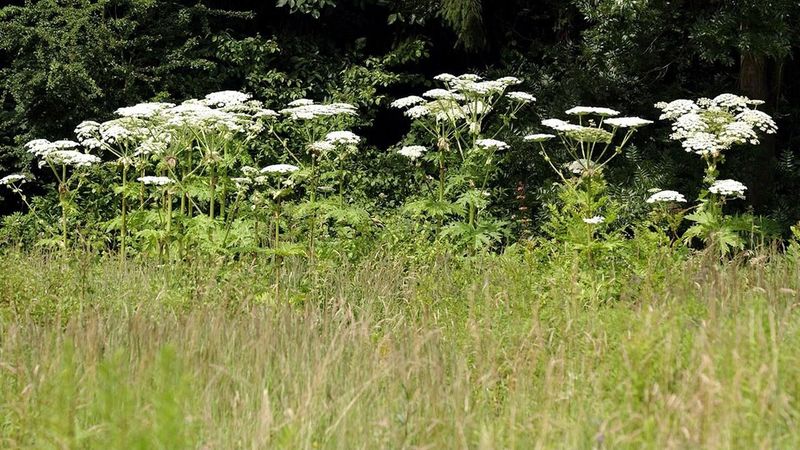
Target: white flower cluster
[(758, 119), (522, 97), (728, 188), (540, 137), (676, 108), (144, 110), (584, 110), (412, 152), (667, 196), (280, 168), (491, 144), (342, 138), (560, 125), (596, 220), (406, 102), (305, 109), (627, 122), (466, 96), (43, 148), (226, 98), (155, 181), (197, 114), (70, 158), (711, 126), (13, 179)]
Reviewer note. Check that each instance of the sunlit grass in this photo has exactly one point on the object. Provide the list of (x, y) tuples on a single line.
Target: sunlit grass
[(496, 352)]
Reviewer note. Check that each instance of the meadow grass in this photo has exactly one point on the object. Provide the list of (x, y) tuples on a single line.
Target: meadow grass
[(490, 352)]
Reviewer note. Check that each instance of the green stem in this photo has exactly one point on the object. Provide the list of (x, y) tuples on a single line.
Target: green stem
[(63, 198), (213, 187), (124, 225)]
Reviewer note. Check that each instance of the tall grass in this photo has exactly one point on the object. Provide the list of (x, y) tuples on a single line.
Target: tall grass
[(497, 352)]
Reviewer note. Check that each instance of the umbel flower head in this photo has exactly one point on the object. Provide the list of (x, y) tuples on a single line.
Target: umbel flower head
[(70, 158), (15, 178), (627, 122), (708, 127), (491, 144), (280, 168), (584, 110), (728, 188), (155, 181), (666, 197), (596, 220), (412, 152), (541, 137), (342, 137), (522, 97), (407, 102)]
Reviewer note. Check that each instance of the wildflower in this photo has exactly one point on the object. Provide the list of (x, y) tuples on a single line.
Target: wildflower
[(687, 125), (509, 81), (313, 111), (412, 152), (758, 119), (443, 93), (342, 137), (491, 144), (418, 112), (584, 110), (301, 102), (155, 181), (154, 145), (730, 101), (268, 113), (739, 133), (560, 125), (13, 178), (444, 77), (405, 102), (481, 88), (596, 220), (280, 168), (522, 97), (143, 110), (194, 113), (676, 108), (86, 130), (627, 122), (728, 188), (703, 144), (538, 137), (39, 147), (71, 158), (321, 147), (226, 98), (666, 196), (469, 77)]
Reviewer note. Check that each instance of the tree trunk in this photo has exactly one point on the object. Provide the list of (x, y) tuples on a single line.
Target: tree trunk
[(760, 78)]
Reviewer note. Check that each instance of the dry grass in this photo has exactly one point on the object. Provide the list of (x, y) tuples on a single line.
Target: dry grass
[(495, 354)]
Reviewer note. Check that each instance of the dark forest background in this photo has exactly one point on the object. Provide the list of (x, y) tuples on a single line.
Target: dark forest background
[(64, 61)]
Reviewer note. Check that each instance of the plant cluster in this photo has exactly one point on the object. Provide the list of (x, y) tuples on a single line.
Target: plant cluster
[(179, 178)]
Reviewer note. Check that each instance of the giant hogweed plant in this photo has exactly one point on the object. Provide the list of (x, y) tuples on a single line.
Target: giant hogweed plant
[(461, 154), (584, 211), (182, 176), (710, 128)]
